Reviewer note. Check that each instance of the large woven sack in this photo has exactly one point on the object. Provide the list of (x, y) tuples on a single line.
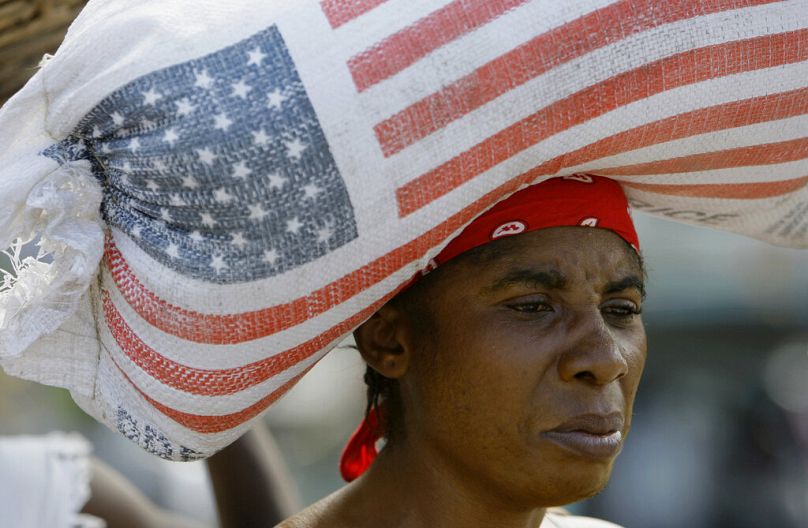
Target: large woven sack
[(256, 178)]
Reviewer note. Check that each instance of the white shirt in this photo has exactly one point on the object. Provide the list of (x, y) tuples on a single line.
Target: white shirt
[(555, 519)]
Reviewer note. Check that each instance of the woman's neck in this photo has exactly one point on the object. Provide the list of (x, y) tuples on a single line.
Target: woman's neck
[(405, 491)]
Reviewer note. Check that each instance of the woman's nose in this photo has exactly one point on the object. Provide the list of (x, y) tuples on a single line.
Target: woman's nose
[(593, 355)]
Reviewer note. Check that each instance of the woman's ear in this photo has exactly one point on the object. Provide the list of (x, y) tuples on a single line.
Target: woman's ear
[(381, 342)]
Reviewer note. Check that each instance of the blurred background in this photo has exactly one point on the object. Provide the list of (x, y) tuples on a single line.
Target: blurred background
[(720, 435)]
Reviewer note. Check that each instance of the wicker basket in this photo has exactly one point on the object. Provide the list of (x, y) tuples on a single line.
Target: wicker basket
[(29, 29)]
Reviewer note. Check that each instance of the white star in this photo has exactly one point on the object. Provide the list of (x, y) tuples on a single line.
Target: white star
[(324, 234), (151, 96), (240, 170), (173, 250), (159, 165), (170, 136), (222, 122), (134, 145), (117, 118), (164, 215), (260, 137), (276, 181), (206, 156), (270, 256), (126, 167), (96, 131), (184, 107), (241, 88), (177, 200), (295, 148), (217, 263), (311, 191), (136, 231), (196, 236), (256, 56), (203, 80), (152, 185), (238, 240), (257, 212), (190, 182), (146, 123), (276, 99), (207, 220), (293, 225), (105, 148), (221, 195)]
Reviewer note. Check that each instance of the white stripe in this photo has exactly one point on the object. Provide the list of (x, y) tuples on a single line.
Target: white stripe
[(114, 390), (752, 174), (206, 297), (592, 68), (738, 137), (222, 356), (388, 18), (199, 404)]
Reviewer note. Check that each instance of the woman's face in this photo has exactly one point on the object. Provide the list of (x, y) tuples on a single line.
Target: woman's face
[(525, 383)]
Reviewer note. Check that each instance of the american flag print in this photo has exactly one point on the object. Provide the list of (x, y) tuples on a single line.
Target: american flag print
[(266, 198), (218, 167)]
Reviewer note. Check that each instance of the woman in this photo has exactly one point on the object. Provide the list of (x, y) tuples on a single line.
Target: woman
[(503, 380)]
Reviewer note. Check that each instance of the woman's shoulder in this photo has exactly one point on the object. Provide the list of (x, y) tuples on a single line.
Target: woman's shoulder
[(325, 513), (562, 519)]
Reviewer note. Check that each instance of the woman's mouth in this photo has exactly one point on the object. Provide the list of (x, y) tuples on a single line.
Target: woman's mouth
[(590, 435)]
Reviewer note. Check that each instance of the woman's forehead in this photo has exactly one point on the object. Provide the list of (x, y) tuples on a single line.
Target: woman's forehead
[(553, 257)]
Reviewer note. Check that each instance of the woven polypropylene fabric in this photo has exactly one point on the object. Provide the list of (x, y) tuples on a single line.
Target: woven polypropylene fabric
[(269, 173)]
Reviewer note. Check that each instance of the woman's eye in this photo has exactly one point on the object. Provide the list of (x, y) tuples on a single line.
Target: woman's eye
[(531, 307), (625, 311)]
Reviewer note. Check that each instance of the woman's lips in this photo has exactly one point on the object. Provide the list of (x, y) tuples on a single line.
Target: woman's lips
[(590, 435), (588, 444)]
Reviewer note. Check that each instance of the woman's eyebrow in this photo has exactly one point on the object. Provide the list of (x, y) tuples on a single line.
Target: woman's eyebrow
[(551, 279), (632, 281)]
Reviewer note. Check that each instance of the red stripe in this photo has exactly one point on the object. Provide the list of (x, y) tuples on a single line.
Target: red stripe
[(767, 154), (679, 70), (339, 12), (735, 191), (215, 424), (537, 56), (218, 382), (704, 120), (240, 327), (245, 326), (404, 48)]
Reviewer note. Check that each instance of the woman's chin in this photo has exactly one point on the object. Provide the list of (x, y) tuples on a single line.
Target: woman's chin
[(573, 485)]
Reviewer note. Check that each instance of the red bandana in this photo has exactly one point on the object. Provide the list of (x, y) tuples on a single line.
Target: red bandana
[(579, 200)]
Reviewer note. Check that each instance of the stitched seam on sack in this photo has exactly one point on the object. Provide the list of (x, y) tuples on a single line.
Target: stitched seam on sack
[(46, 95), (95, 307)]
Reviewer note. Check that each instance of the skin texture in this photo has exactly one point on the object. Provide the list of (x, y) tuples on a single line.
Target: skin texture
[(543, 330)]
